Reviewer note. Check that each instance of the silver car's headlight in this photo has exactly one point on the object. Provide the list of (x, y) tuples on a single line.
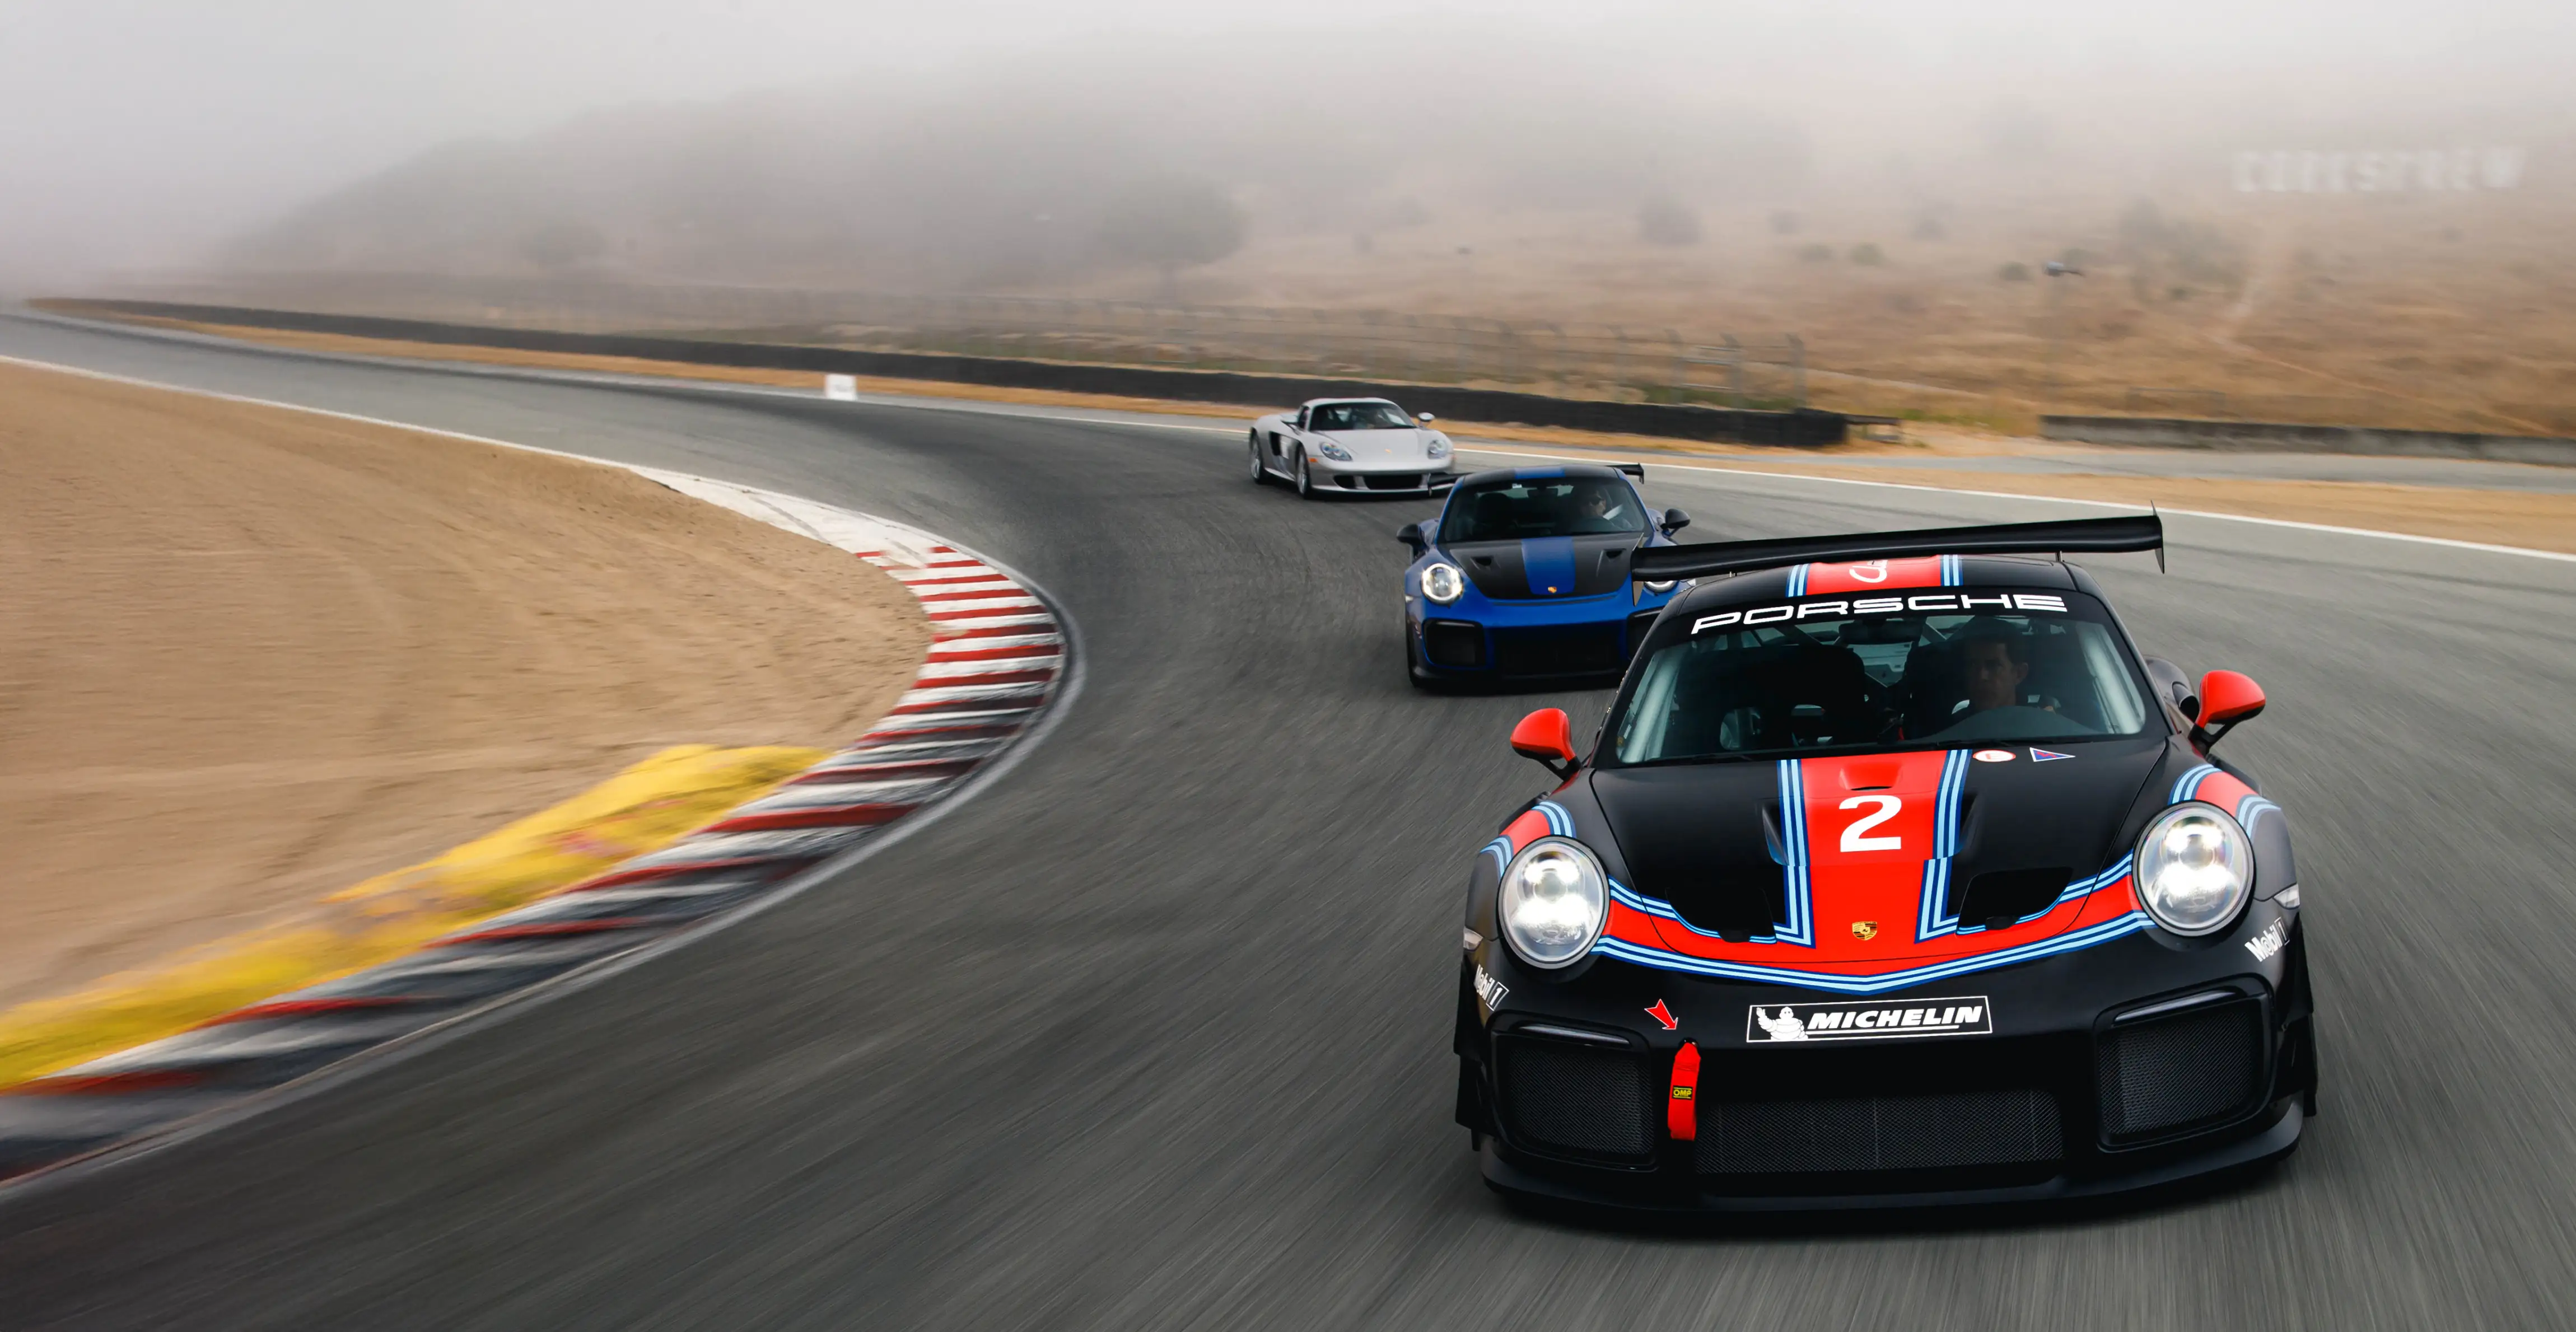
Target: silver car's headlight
[(2195, 868), (1332, 450), (1437, 448), (1553, 903), (1661, 586), (1443, 583)]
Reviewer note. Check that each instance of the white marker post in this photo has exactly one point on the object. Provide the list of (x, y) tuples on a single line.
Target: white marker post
[(841, 388)]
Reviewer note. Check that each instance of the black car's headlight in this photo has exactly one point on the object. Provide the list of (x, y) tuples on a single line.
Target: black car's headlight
[(1553, 903), (2195, 869), (1442, 583), (1661, 586)]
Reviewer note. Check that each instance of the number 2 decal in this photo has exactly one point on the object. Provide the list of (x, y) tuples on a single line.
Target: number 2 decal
[(1887, 805)]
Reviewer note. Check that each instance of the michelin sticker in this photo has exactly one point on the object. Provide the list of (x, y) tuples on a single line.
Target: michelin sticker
[(1767, 1024)]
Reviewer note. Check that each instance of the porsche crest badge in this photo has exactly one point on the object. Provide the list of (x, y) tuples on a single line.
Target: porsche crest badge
[(1864, 930)]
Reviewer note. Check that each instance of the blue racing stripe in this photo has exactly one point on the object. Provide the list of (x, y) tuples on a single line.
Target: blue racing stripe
[(1548, 562), (1936, 916), (1799, 927)]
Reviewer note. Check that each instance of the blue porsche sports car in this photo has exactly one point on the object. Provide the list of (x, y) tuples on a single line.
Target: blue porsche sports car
[(1524, 576)]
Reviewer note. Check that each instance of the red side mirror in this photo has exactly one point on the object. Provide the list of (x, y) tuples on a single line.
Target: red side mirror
[(2227, 698), (1548, 736)]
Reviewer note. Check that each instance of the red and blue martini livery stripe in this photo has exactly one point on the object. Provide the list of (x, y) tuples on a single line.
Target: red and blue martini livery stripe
[(2210, 785), (1869, 842), (1839, 817)]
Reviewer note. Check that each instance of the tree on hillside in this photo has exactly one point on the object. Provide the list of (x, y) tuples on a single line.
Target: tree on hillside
[(1172, 222)]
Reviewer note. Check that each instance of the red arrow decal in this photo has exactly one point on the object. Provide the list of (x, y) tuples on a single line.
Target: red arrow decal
[(1663, 1015)]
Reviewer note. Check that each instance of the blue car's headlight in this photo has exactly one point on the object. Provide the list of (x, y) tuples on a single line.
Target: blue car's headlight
[(1332, 450), (1442, 583), (1660, 586)]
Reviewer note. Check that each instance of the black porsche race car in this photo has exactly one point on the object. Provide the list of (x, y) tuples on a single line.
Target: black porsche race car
[(1895, 876)]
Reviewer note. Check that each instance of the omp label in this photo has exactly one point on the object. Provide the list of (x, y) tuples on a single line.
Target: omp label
[(2008, 603), (1897, 1020)]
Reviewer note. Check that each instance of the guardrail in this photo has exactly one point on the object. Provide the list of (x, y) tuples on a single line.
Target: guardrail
[(1797, 428), (1559, 358)]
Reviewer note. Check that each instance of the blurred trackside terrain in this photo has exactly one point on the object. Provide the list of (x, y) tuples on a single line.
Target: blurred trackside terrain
[(1904, 235)]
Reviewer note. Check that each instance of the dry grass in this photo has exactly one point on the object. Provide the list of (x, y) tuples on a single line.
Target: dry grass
[(250, 656), (2431, 310)]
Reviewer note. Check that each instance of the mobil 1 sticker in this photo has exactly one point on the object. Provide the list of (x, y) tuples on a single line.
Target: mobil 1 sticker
[(1887, 1020)]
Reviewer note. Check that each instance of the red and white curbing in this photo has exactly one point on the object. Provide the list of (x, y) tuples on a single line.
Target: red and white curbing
[(998, 662)]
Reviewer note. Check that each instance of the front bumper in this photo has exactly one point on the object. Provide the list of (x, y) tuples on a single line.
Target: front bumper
[(1479, 638), (2091, 1082), (1380, 477)]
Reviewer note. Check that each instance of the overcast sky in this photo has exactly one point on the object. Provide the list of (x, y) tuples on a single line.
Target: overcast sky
[(138, 132)]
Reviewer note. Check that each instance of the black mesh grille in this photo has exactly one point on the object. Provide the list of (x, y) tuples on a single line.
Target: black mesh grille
[(1587, 650), (1401, 481), (2200, 1066), (1582, 1099), (1969, 1128), (1450, 643)]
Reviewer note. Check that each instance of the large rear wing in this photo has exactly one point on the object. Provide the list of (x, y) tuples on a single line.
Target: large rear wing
[(1707, 559)]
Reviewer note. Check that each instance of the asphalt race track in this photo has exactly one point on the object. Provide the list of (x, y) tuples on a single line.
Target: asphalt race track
[(1154, 1032)]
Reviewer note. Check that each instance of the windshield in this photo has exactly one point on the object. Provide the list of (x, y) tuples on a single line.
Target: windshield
[(1543, 507), (2050, 670), (1359, 416)]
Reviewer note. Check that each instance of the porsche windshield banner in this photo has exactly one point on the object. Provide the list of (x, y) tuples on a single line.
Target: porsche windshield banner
[(1886, 1021)]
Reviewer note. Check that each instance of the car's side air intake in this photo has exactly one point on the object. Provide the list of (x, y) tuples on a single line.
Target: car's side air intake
[(2196, 1068)]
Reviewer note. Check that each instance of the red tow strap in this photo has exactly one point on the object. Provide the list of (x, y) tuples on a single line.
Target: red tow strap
[(1681, 1113)]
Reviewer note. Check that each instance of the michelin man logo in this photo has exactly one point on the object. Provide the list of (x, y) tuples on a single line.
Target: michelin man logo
[(1785, 1027)]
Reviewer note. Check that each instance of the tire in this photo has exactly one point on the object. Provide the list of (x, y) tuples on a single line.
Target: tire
[(1305, 479), (1260, 474)]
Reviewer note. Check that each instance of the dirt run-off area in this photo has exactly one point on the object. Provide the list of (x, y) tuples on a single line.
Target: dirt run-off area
[(251, 656)]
